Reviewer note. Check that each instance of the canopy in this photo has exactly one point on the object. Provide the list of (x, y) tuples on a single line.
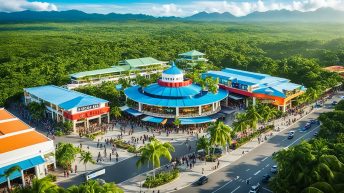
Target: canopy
[(24, 165), (133, 112), (235, 97), (196, 120), (153, 119)]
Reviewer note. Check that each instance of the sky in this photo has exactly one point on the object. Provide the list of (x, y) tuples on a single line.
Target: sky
[(180, 8)]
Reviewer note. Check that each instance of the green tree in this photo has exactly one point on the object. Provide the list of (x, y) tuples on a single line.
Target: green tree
[(116, 112), (44, 185), (151, 153), (36, 110), (85, 158), (220, 134), (8, 172), (253, 116), (203, 143), (92, 186), (66, 154), (176, 122)]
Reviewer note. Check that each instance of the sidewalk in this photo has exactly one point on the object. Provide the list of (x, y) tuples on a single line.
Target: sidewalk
[(188, 176), (88, 145)]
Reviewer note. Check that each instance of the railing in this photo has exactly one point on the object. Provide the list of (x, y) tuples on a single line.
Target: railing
[(182, 116), (96, 82)]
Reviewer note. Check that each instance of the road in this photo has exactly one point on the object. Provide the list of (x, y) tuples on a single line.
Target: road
[(256, 163), (126, 169)]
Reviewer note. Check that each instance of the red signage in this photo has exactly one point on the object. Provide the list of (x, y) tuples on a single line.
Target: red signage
[(87, 114), (175, 84)]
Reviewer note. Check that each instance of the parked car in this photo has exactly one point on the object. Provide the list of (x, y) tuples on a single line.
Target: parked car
[(313, 121), (202, 180), (291, 134), (315, 134), (274, 169), (334, 103), (266, 178), (255, 188)]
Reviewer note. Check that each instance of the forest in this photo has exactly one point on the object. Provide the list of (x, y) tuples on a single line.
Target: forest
[(316, 166), (33, 54)]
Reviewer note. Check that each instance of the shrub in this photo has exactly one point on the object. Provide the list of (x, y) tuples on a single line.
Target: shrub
[(58, 133), (161, 178), (51, 177), (133, 149)]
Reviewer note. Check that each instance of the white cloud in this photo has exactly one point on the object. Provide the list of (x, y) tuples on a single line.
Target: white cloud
[(244, 8), (236, 7), (21, 5), (166, 10)]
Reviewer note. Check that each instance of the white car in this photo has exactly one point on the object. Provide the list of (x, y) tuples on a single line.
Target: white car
[(274, 169), (255, 188)]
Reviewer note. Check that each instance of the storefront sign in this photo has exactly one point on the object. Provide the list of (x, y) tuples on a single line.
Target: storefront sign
[(86, 114), (89, 107), (95, 174)]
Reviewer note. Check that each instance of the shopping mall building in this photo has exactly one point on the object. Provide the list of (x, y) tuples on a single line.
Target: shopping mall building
[(21, 145), (174, 96), (68, 105), (245, 86)]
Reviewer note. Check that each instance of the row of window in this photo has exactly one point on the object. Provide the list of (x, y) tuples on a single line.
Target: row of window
[(171, 79)]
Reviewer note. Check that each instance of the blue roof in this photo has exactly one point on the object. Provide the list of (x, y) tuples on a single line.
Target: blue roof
[(173, 70), (24, 165), (270, 85), (245, 77), (196, 120), (133, 112), (66, 99), (162, 91), (203, 98), (153, 119)]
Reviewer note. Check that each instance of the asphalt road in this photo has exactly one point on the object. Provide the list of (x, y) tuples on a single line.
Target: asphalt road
[(256, 163), (126, 169)]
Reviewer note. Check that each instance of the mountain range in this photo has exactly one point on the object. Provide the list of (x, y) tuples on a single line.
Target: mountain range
[(319, 15)]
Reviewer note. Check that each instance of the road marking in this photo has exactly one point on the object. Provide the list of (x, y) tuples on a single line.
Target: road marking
[(223, 186), (257, 172), (284, 139), (265, 159), (267, 165), (247, 170), (249, 178), (302, 136), (235, 189), (267, 189)]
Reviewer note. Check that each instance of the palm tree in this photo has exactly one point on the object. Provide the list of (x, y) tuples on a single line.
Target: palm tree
[(176, 122), (92, 186), (203, 143), (220, 134), (268, 113), (86, 157), (7, 174), (44, 185), (152, 152), (66, 154), (116, 112), (253, 116), (241, 124)]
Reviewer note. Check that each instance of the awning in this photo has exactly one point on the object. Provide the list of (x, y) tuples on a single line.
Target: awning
[(196, 120), (218, 115), (235, 97), (119, 87), (133, 112), (125, 107), (153, 119), (24, 165)]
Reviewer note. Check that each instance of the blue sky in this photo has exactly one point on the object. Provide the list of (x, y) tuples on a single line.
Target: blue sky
[(179, 8)]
